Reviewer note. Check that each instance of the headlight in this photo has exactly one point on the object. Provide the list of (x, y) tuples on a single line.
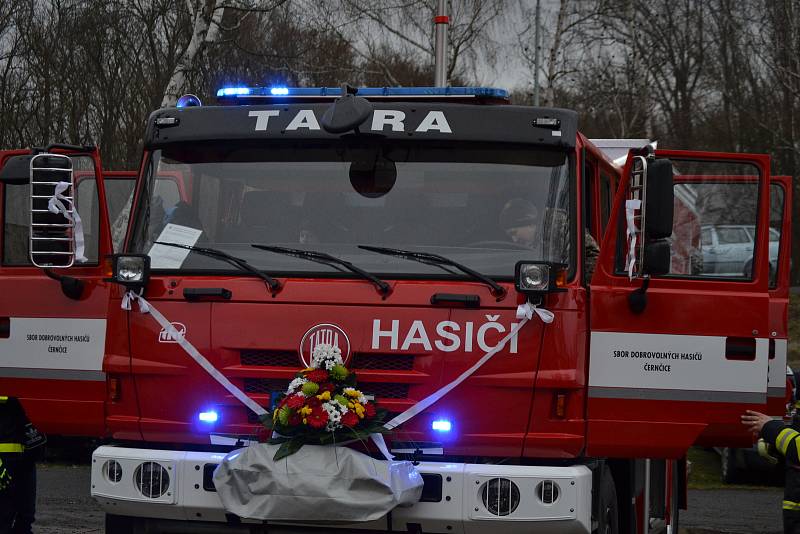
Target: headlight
[(131, 270), (540, 277), (151, 479)]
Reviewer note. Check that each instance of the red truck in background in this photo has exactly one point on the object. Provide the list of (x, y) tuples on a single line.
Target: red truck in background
[(579, 425)]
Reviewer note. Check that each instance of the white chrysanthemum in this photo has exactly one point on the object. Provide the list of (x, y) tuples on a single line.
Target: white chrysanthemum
[(362, 399), (334, 415), (295, 384), (326, 356)]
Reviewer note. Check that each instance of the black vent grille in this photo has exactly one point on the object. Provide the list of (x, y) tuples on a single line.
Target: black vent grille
[(385, 390), (265, 386), (384, 362), (274, 358)]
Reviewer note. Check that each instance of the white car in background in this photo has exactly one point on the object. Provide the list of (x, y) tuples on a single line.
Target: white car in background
[(728, 249)]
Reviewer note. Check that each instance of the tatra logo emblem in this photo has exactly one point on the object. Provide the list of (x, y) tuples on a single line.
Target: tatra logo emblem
[(324, 333), (164, 337)]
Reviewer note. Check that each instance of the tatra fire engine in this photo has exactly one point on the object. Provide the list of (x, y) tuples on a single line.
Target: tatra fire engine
[(415, 229)]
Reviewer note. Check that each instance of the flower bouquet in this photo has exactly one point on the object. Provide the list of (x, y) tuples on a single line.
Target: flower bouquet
[(322, 406)]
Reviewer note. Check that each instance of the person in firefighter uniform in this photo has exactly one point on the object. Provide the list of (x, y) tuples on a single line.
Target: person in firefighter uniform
[(783, 439), (20, 443)]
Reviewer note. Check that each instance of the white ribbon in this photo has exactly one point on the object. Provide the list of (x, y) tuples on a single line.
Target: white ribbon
[(525, 312), (630, 213), (56, 205), (146, 307)]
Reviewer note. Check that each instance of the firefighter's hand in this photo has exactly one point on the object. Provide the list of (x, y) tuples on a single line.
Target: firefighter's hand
[(5, 478), (755, 421)]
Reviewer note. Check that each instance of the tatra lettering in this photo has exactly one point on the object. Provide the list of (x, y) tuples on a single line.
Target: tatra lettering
[(434, 120), (305, 118), (384, 117), (262, 118)]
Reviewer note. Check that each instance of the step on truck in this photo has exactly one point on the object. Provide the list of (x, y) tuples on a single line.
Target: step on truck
[(414, 228)]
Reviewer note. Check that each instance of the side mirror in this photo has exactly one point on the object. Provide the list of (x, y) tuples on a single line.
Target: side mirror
[(16, 170), (53, 215), (659, 203), (657, 257)]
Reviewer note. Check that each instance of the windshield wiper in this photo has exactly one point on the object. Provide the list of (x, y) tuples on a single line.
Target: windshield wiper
[(383, 288), (439, 261), (273, 284)]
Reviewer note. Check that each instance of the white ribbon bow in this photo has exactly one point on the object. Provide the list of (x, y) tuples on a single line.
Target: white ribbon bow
[(630, 213), (56, 205), (527, 310)]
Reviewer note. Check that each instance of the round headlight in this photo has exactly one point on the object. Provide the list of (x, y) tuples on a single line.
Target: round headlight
[(500, 496), (151, 479)]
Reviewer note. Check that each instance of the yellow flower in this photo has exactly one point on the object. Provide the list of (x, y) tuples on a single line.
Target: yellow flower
[(305, 410), (352, 393), (305, 421), (326, 396), (359, 410), (350, 405)]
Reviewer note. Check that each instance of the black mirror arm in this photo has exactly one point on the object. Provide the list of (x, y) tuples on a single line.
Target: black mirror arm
[(70, 286), (637, 299)]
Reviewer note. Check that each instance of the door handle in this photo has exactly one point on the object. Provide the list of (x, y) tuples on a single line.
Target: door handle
[(742, 349), (200, 293)]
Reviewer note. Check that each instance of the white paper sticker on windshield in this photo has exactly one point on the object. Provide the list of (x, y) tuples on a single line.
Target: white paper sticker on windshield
[(166, 257)]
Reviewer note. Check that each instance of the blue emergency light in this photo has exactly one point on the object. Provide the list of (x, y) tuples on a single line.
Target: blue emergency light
[(281, 94), (442, 425), (210, 416)]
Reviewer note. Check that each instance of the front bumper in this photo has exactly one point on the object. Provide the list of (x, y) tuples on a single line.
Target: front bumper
[(180, 490)]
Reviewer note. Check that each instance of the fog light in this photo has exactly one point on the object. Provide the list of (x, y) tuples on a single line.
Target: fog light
[(131, 270), (112, 471)]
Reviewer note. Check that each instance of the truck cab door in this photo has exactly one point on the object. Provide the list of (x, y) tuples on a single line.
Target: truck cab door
[(52, 345), (780, 255), (676, 358)]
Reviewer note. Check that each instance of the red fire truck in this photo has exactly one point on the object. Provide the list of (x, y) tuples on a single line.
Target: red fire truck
[(408, 226)]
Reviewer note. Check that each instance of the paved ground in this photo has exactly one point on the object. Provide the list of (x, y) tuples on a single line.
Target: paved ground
[(65, 507)]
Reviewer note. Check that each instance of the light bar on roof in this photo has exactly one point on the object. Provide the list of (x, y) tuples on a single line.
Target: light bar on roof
[(279, 93)]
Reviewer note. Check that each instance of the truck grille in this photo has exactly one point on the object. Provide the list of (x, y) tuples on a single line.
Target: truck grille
[(386, 390), (273, 358), (289, 358)]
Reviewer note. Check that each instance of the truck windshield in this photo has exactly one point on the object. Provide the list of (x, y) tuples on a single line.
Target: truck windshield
[(484, 205)]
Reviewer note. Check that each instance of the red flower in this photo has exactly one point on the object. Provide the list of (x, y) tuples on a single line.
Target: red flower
[(317, 375), (295, 419), (350, 419), (318, 418), (295, 401), (313, 402), (369, 410), (326, 386)]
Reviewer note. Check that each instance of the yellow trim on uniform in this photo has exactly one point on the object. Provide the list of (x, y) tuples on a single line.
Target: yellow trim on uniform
[(784, 438), (789, 505), (11, 447)]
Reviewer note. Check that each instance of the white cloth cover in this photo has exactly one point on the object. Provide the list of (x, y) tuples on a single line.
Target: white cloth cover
[(315, 484)]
